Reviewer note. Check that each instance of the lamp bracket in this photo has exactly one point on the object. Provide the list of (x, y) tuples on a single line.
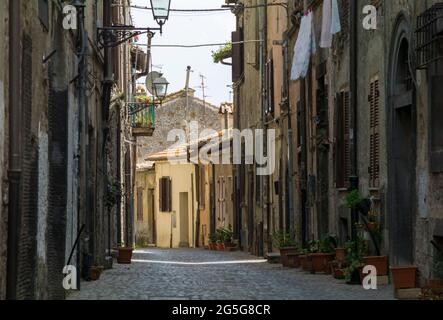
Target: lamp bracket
[(110, 37)]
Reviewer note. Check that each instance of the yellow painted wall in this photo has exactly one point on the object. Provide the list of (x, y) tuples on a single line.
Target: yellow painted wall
[(181, 175)]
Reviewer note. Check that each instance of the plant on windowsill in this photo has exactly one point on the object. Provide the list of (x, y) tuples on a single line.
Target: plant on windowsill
[(288, 246)]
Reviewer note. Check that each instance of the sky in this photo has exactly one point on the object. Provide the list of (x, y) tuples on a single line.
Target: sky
[(189, 29)]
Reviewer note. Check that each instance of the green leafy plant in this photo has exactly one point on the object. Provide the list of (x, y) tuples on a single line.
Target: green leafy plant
[(113, 194), (213, 237), (284, 239), (222, 53), (355, 251), (326, 245), (353, 199), (224, 235)]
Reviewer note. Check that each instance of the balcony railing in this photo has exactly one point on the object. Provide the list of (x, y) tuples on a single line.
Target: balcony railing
[(142, 119)]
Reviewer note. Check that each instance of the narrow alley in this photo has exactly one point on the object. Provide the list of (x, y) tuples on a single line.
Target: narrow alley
[(195, 274)]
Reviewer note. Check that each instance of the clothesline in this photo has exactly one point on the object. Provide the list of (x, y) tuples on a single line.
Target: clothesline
[(306, 45)]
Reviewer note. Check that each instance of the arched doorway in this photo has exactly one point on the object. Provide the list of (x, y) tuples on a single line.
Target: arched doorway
[(401, 146)]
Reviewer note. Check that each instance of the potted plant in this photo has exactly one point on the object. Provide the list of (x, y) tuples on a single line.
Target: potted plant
[(95, 272), (380, 262), (124, 255), (321, 253), (404, 277), (227, 237), (355, 250), (220, 240), (213, 241), (287, 245)]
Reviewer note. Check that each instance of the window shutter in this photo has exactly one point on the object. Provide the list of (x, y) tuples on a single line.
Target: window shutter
[(342, 150), (169, 195), (237, 55), (347, 160), (161, 195), (165, 195), (436, 157), (374, 144)]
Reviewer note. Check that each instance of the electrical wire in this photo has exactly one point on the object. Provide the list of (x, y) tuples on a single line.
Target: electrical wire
[(196, 45)]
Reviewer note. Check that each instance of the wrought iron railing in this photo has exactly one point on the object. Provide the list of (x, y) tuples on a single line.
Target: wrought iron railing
[(141, 116), (429, 35)]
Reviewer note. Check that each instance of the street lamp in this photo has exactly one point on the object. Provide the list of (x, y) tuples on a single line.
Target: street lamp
[(160, 11), (160, 86)]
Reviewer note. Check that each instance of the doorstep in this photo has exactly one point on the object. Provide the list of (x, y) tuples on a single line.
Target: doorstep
[(408, 294), (273, 257)]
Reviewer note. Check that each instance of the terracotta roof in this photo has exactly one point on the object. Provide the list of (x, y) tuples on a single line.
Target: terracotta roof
[(180, 152)]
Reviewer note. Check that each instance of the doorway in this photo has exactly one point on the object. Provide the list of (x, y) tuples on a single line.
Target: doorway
[(184, 220), (151, 217), (401, 149)]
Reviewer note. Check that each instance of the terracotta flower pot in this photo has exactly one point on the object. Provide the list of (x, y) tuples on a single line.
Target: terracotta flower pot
[(404, 277), (339, 274), (294, 260), (220, 246), (124, 255), (284, 255), (306, 263), (320, 261), (302, 259), (94, 273), (340, 254), (379, 262)]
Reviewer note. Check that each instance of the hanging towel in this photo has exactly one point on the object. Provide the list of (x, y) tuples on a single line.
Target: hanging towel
[(335, 21), (326, 27), (304, 47)]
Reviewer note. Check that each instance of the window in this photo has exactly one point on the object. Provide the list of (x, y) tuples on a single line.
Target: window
[(237, 55), (165, 194), (221, 197), (342, 152), (374, 133), (43, 13), (139, 204)]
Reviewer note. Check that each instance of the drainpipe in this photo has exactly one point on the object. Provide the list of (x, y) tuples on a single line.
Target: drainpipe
[(107, 87), (15, 146), (353, 179), (82, 201), (263, 125)]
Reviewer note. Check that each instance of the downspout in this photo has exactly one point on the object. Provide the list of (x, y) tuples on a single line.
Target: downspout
[(263, 55), (82, 131), (353, 179), (107, 87), (15, 147)]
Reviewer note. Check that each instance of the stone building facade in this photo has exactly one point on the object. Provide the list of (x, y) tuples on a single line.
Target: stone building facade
[(364, 117), (54, 105), (172, 114)]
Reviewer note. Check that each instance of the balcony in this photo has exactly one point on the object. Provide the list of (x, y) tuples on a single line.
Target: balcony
[(142, 119)]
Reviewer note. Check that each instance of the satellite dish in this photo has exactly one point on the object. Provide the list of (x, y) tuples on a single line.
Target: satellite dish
[(150, 80)]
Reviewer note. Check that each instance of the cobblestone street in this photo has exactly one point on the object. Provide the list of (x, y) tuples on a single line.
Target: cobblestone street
[(201, 274)]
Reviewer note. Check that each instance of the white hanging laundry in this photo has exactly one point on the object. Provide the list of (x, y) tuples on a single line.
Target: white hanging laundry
[(304, 47), (335, 22), (326, 27)]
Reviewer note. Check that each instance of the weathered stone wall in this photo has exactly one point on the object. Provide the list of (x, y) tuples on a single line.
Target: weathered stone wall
[(3, 143), (171, 115)]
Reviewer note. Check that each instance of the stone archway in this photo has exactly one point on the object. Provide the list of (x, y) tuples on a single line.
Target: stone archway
[(401, 133)]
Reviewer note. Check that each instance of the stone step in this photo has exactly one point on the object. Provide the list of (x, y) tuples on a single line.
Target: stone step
[(273, 257), (408, 294)]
